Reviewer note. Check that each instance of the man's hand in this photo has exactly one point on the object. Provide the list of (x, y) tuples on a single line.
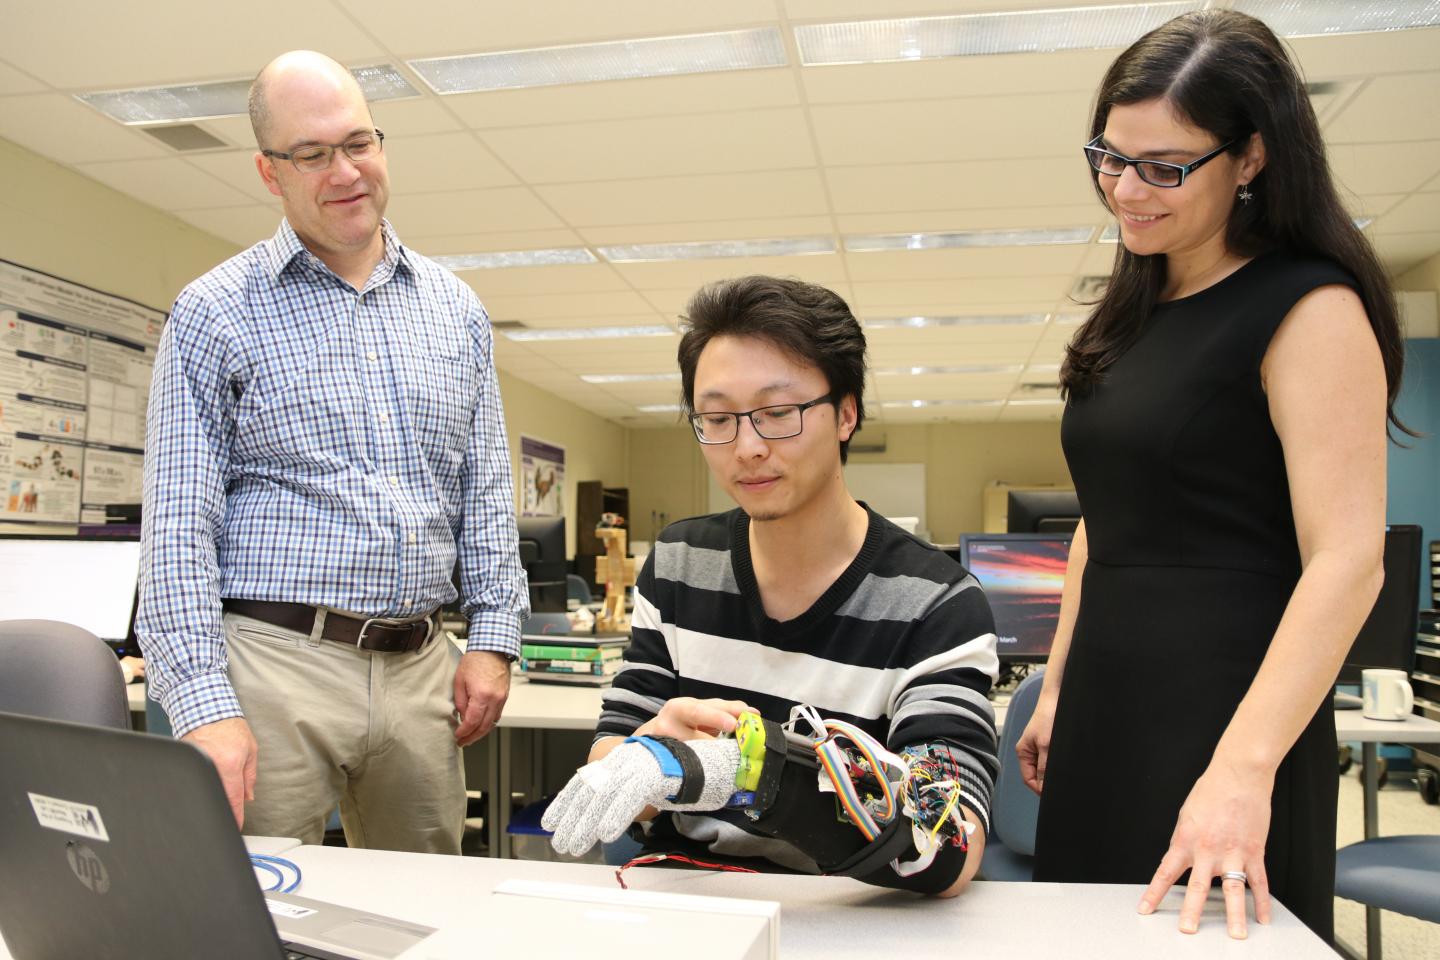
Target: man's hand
[(231, 747), (686, 718), (482, 685)]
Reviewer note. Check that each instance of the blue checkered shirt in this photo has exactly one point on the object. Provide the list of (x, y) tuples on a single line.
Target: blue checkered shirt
[(311, 444)]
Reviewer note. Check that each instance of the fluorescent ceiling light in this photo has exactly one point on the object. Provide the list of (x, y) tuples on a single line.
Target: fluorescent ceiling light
[(968, 238), (615, 60), (588, 333), (1111, 234), (916, 404), (1035, 402), (978, 368), (628, 377), (979, 34), (1043, 368), (515, 258), (226, 98), (716, 249), (1362, 222), (899, 322), (1311, 18), (659, 408)]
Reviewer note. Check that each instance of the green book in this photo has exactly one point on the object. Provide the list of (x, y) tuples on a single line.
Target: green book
[(545, 651)]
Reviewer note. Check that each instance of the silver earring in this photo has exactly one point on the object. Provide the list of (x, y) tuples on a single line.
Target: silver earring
[(1245, 194)]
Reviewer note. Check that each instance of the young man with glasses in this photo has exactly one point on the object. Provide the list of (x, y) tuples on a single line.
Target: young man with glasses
[(800, 596), (325, 436)]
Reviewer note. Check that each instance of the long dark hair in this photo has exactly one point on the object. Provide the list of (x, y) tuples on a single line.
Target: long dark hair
[(1227, 73)]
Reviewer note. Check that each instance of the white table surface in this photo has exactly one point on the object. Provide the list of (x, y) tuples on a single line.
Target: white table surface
[(820, 916)]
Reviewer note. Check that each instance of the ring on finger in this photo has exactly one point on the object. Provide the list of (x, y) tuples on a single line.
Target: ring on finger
[(1235, 875)]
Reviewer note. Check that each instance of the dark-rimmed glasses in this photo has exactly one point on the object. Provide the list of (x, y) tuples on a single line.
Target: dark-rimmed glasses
[(314, 157), (777, 422), (1157, 173)]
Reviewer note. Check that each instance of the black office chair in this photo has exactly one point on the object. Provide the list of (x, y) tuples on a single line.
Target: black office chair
[(576, 588), (61, 672)]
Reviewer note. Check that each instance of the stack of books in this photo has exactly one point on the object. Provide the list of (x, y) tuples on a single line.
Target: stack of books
[(564, 659)]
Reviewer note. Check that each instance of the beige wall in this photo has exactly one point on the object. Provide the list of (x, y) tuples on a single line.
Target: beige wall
[(1424, 276), (595, 448), (667, 475), (54, 220)]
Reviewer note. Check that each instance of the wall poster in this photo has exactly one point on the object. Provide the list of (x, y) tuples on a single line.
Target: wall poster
[(74, 382), (542, 478)]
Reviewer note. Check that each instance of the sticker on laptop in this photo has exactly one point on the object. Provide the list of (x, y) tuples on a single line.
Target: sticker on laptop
[(289, 910), (80, 819)]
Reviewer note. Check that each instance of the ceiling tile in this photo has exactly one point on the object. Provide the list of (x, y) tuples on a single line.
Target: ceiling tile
[(242, 226), (1063, 72), (656, 147), (444, 161), (557, 305), (14, 81), (679, 199), (1031, 125), (61, 128), (412, 117), (119, 45), (468, 211), (1022, 262), (940, 221), (1384, 167), (237, 169), (520, 281), (462, 26), (935, 296), (1361, 54), (821, 268), (624, 99), (768, 229), (235, 131), (1046, 182), (1391, 108), (1419, 213), (167, 184), (492, 242)]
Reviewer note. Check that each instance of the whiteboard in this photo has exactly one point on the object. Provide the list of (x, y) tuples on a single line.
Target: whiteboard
[(891, 490)]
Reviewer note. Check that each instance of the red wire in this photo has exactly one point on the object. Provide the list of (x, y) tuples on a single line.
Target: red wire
[(657, 857)]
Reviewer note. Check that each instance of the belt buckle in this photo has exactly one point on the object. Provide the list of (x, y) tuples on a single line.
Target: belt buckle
[(360, 640)]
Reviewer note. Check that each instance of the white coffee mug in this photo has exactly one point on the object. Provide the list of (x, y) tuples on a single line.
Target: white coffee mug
[(1387, 694)]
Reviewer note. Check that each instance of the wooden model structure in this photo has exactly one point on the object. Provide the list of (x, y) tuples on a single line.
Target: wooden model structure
[(617, 572)]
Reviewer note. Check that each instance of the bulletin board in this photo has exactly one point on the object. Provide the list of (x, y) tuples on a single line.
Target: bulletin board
[(75, 368)]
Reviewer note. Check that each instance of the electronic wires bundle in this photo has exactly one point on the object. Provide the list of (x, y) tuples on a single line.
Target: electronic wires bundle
[(864, 776), (933, 792)]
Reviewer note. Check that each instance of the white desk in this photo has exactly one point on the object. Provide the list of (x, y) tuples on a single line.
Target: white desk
[(819, 916)]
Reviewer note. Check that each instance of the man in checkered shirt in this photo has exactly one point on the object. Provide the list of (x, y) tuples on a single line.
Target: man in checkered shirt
[(325, 438)]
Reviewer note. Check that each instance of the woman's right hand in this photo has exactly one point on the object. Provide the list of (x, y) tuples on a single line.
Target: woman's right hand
[(1033, 748)]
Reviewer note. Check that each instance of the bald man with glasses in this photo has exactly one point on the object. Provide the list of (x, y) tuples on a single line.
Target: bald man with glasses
[(324, 440)]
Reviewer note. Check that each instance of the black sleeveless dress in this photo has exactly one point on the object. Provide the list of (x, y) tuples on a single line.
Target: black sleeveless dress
[(1192, 559)]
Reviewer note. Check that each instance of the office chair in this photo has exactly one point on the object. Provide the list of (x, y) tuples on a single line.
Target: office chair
[(546, 623), (60, 672), (1010, 847), (1399, 873), (576, 588)]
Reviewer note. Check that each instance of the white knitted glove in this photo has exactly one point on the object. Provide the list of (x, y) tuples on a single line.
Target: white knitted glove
[(605, 797)]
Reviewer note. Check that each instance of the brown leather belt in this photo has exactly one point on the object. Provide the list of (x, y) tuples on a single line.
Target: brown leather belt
[(380, 634)]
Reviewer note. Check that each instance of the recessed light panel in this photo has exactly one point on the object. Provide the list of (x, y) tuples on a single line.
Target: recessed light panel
[(981, 34), (515, 258), (1311, 18), (716, 249), (927, 371), (628, 377), (968, 238), (918, 322), (615, 60), (226, 98), (918, 404), (588, 333), (660, 408)]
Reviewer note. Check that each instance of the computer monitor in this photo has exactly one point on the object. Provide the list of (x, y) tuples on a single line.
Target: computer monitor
[(1387, 638), (542, 551), (88, 582), (1023, 575), (1042, 511)]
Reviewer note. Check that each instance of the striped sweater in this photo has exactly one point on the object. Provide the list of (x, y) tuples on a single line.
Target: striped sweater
[(902, 645)]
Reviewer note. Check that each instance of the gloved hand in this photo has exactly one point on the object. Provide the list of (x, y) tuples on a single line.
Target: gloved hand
[(605, 797)]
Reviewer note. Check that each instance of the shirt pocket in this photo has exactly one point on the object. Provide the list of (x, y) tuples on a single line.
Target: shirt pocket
[(440, 398)]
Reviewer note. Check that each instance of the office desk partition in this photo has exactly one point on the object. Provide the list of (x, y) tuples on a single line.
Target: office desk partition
[(819, 916)]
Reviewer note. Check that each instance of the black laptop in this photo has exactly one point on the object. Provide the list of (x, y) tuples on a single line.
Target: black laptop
[(119, 844)]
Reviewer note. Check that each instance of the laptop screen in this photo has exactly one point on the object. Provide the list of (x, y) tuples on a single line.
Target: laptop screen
[(89, 583)]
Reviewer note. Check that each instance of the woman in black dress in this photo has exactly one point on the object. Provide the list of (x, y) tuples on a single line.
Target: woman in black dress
[(1225, 428)]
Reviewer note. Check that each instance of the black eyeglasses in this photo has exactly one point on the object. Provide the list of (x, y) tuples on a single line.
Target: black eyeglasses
[(314, 157), (776, 422), (1157, 173)]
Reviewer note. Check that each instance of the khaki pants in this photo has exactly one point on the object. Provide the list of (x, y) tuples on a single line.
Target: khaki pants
[(371, 732)]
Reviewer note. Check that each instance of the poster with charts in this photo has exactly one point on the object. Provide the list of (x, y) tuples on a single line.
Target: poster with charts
[(74, 383)]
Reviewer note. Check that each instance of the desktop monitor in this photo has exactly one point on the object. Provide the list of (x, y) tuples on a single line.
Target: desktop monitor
[(1023, 575), (542, 551), (1042, 511), (1387, 638), (85, 581)]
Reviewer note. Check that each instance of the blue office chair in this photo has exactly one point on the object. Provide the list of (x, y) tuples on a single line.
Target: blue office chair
[(61, 672), (1391, 873), (576, 588), (1014, 808), (546, 623)]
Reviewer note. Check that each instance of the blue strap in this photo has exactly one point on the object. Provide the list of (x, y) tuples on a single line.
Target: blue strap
[(669, 765)]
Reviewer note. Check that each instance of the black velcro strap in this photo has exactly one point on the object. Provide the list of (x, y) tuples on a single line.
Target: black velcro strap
[(776, 750), (894, 841), (692, 783)]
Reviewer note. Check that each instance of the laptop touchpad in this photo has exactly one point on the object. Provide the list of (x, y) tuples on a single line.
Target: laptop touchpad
[(376, 935)]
